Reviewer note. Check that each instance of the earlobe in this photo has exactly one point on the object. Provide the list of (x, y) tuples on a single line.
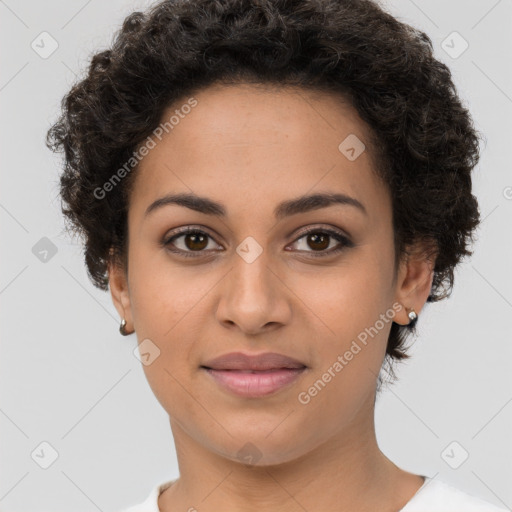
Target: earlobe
[(118, 283), (414, 284)]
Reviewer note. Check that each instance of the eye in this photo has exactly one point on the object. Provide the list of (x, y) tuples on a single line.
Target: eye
[(194, 241), (320, 240)]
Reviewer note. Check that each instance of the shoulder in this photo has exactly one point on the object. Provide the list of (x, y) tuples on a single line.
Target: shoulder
[(150, 504), (433, 496), (438, 496)]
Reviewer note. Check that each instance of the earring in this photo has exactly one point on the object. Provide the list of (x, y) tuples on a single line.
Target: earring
[(122, 328), (412, 315)]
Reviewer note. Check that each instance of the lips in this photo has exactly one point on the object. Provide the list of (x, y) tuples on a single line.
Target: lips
[(258, 362), (253, 376)]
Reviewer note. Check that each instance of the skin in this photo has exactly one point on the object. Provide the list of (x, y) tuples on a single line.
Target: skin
[(250, 148)]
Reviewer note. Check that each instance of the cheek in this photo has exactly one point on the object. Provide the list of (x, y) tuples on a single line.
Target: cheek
[(348, 298), (168, 308), (352, 311), (350, 357), (163, 294)]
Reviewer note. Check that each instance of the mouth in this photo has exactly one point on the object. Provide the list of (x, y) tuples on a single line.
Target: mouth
[(254, 375), (254, 383)]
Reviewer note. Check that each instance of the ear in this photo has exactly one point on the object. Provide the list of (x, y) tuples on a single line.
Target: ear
[(414, 279), (118, 283)]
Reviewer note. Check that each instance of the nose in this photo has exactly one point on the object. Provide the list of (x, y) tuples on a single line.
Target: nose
[(254, 298)]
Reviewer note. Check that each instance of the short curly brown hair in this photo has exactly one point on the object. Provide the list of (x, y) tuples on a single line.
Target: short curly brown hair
[(422, 136)]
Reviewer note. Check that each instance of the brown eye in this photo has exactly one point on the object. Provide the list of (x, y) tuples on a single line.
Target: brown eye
[(195, 241), (319, 241), (188, 242)]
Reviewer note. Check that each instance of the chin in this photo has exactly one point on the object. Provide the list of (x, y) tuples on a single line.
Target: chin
[(258, 449)]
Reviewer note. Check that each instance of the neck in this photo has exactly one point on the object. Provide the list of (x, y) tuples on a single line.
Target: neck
[(345, 472)]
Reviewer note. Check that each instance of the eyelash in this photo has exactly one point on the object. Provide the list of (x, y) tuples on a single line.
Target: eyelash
[(346, 243)]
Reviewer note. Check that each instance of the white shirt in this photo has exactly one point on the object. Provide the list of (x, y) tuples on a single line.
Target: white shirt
[(432, 496)]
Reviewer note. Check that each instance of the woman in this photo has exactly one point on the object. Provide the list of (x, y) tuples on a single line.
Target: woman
[(272, 191)]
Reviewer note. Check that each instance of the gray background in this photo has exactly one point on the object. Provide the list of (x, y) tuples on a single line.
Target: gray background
[(69, 379)]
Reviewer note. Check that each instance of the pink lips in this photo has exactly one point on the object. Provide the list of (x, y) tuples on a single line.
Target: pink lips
[(254, 375)]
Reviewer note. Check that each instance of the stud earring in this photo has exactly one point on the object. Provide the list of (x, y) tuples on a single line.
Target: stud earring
[(412, 315), (122, 328)]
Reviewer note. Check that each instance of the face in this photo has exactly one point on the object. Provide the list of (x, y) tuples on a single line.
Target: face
[(314, 281)]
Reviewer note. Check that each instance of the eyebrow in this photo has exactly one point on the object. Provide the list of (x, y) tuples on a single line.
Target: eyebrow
[(284, 209)]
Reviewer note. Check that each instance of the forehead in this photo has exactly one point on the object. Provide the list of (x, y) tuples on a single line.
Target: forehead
[(254, 113), (246, 144)]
